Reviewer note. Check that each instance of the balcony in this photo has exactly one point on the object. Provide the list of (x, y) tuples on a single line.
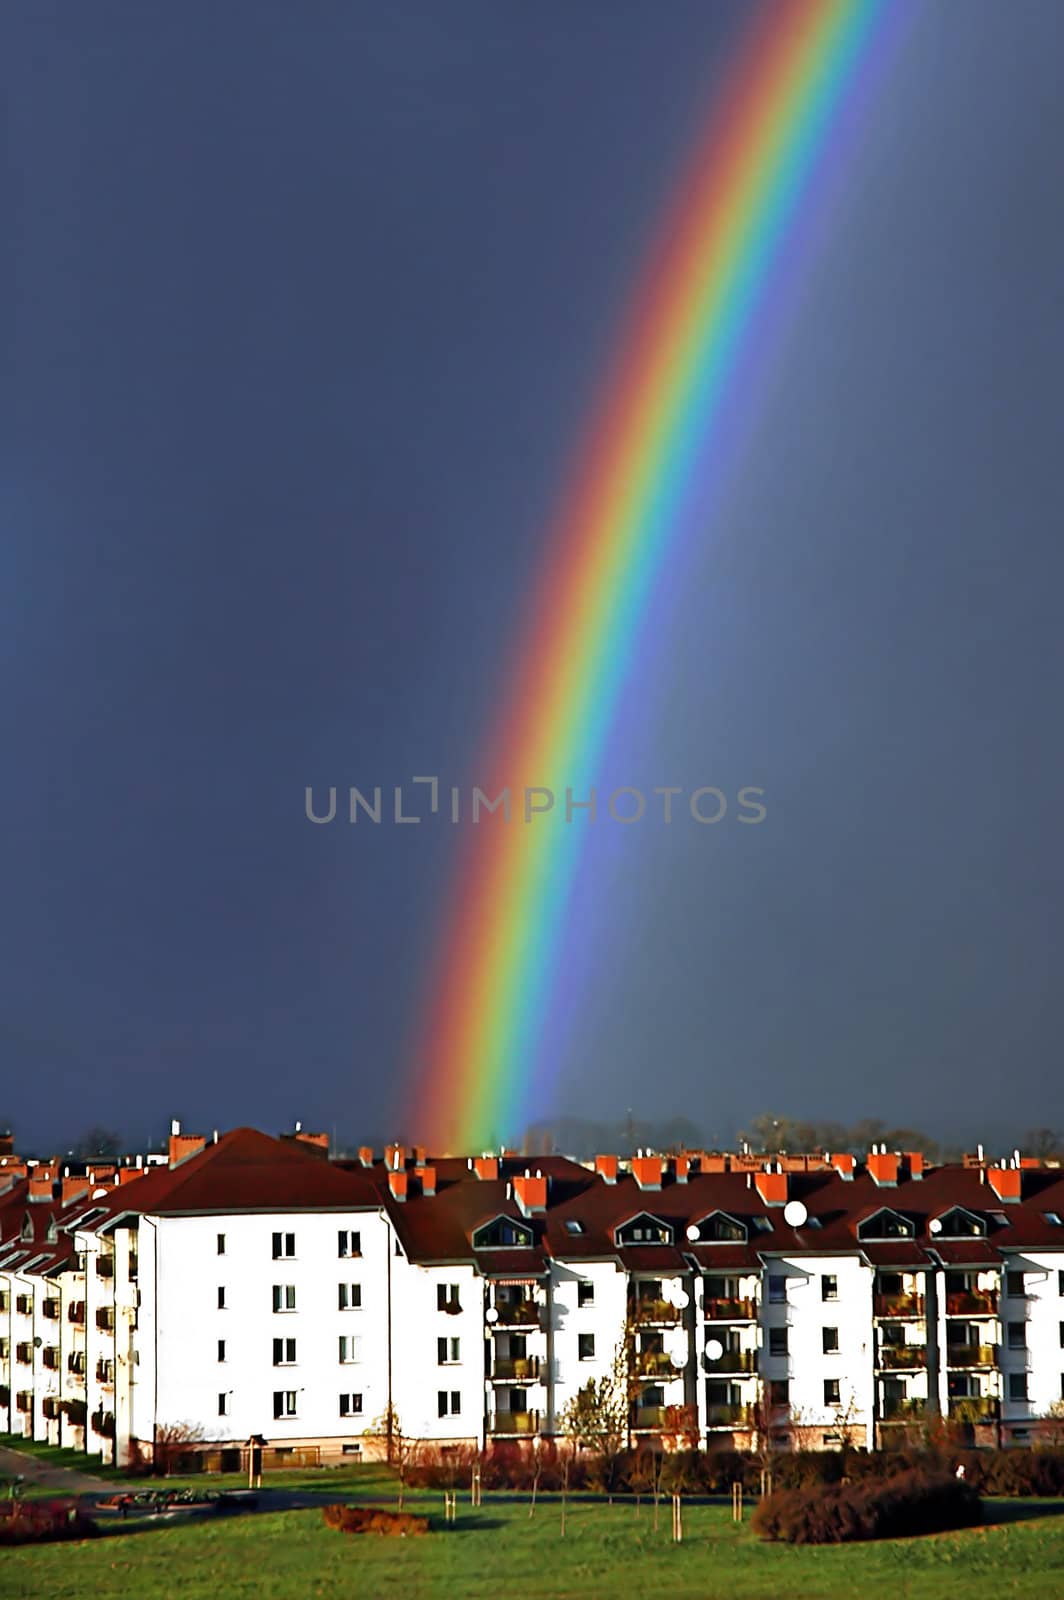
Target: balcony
[(76, 1313), (974, 1408), (105, 1319), (24, 1305), (50, 1357), (514, 1422), (105, 1373), (103, 1423), (971, 1355), (898, 1305), (518, 1369), (972, 1303), (729, 1416), (518, 1314), (646, 1417), (904, 1410), (105, 1266), (655, 1364), (50, 1309), (902, 1357), (733, 1361), (24, 1354), (717, 1310), (654, 1313)]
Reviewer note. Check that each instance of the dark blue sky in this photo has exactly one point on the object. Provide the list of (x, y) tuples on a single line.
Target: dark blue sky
[(309, 305)]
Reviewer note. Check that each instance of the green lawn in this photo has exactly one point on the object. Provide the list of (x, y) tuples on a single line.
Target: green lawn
[(497, 1551)]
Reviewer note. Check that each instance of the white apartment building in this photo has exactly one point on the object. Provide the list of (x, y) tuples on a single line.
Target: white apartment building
[(254, 1287)]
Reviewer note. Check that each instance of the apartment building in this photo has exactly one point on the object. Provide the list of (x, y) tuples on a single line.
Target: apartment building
[(253, 1286)]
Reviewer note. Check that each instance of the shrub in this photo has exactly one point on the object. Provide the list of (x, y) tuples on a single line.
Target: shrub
[(904, 1504), (42, 1521), (369, 1519)]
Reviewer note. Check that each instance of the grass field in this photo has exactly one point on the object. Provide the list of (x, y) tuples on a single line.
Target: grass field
[(499, 1551)]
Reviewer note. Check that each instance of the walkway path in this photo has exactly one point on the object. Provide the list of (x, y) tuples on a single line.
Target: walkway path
[(64, 1480)]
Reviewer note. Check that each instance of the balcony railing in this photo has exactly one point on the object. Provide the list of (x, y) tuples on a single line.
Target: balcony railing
[(518, 1369), (105, 1372), (518, 1314), (715, 1309), (103, 1423), (50, 1308), (733, 1361), (76, 1313), (729, 1416), (50, 1357), (972, 1303), (898, 1305), (904, 1410), (971, 1355), (520, 1422), (105, 1266), (645, 1417), (105, 1318), (974, 1408), (654, 1364), (655, 1312), (902, 1357)]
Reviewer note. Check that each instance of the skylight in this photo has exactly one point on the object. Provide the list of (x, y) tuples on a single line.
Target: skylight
[(1053, 1218), (762, 1224), (573, 1226)]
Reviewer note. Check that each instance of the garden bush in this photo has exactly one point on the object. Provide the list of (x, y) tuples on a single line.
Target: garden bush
[(42, 1521), (369, 1519), (907, 1503)]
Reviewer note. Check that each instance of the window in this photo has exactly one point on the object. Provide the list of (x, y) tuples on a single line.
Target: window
[(349, 1296), (350, 1347), (221, 1297), (718, 1228), (1017, 1335), (777, 1290), (284, 1402), (350, 1405), (1016, 1284), (284, 1244), (777, 1341), (284, 1352), (832, 1392), (502, 1233), (221, 1349), (1062, 1335), (644, 1229), (585, 1293), (830, 1339), (1017, 1386), (223, 1405), (284, 1297), (829, 1286), (779, 1392), (960, 1224), (447, 1352), (449, 1403), (885, 1224), (447, 1298), (585, 1346), (348, 1243), (221, 1252)]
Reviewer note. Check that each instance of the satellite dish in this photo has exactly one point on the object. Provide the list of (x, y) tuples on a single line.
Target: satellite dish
[(795, 1214), (491, 1315), (99, 1194), (693, 1232), (678, 1358), (714, 1350), (935, 1225), (682, 1300), (37, 1341)]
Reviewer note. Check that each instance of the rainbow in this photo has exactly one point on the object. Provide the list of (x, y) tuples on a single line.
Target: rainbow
[(708, 284)]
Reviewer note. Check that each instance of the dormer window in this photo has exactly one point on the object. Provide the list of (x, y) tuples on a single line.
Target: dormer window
[(958, 1224), (643, 1229), (502, 1233), (885, 1224), (719, 1228)]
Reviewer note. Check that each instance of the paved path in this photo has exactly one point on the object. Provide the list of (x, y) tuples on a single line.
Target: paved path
[(64, 1480)]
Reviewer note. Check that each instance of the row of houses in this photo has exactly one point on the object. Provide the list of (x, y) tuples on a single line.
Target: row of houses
[(249, 1286)]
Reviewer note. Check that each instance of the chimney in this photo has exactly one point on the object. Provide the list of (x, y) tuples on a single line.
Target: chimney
[(420, 1155), (365, 1154), (127, 1174), (486, 1168), (882, 1168), (915, 1159), (428, 1180), (646, 1170), (606, 1167), (72, 1187), (530, 1193), (394, 1157), (844, 1165), (1006, 1182), (313, 1141), (683, 1168), (40, 1188), (184, 1145), (772, 1187), (397, 1183)]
